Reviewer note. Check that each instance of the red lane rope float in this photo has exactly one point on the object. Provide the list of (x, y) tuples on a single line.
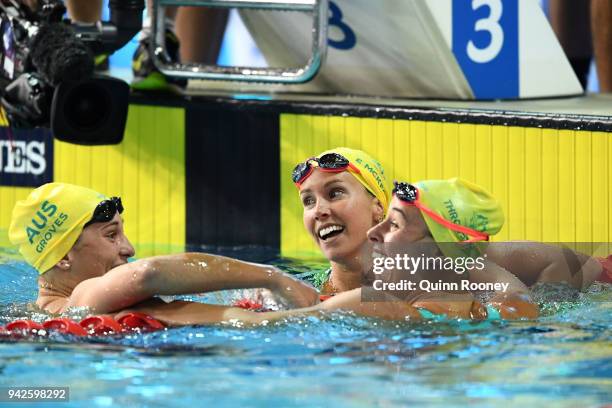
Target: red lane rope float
[(65, 326), (101, 325), (140, 321), (91, 325), (606, 269), (24, 327)]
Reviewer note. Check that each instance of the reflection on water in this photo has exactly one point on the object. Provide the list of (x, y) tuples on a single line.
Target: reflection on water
[(565, 358)]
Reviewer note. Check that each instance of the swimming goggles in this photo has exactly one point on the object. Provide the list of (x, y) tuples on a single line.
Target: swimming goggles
[(331, 162), (106, 210), (409, 195)]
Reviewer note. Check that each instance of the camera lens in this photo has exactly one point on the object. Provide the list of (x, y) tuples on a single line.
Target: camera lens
[(90, 112), (87, 106)]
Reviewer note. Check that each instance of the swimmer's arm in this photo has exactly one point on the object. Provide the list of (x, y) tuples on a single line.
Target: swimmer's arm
[(392, 308), (198, 272), (181, 313), (188, 273), (534, 262)]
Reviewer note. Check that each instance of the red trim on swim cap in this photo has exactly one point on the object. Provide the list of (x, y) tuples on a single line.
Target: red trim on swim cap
[(477, 235)]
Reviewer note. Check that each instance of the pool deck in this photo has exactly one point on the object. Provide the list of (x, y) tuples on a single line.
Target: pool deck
[(591, 112)]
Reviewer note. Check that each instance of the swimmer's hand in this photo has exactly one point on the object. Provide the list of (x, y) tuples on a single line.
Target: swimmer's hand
[(515, 306)]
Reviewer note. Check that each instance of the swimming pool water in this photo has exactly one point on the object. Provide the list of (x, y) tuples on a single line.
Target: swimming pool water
[(563, 359)]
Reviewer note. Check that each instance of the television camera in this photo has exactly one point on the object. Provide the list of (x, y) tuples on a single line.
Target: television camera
[(47, 70)]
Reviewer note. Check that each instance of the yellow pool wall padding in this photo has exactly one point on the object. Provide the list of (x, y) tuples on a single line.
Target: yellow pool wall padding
[(554, 185), (147, 170)]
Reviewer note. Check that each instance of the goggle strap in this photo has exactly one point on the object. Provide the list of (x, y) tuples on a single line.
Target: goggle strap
[(337, 169), (354, 168), (477, 235)]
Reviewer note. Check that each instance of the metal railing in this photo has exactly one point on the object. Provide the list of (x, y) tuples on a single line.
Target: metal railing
[(318, 8)]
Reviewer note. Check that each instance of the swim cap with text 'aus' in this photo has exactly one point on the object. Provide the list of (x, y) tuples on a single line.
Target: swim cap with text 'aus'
[(46, 225)]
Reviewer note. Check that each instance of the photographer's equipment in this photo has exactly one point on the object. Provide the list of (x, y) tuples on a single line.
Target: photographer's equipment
[(90, 112), (46, 70)]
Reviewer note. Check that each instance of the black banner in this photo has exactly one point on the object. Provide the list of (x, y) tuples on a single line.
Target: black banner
[(26, 157)]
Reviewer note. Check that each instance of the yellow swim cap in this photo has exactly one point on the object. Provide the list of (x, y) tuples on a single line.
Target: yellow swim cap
[(459, 202), (46, 225), (371, 173)]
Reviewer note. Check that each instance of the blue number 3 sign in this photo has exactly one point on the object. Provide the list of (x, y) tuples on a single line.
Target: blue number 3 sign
[(349, 40), (485, 43)]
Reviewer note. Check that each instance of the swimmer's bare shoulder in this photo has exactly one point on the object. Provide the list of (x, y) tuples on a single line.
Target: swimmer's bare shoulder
[(119, 288)]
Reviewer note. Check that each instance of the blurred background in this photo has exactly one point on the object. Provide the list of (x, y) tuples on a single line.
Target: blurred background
[(239, 49)]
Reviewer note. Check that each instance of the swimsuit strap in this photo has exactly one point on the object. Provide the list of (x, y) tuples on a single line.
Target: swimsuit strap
[(321, 277), (429, 315), (492, 314), (316, 278)]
